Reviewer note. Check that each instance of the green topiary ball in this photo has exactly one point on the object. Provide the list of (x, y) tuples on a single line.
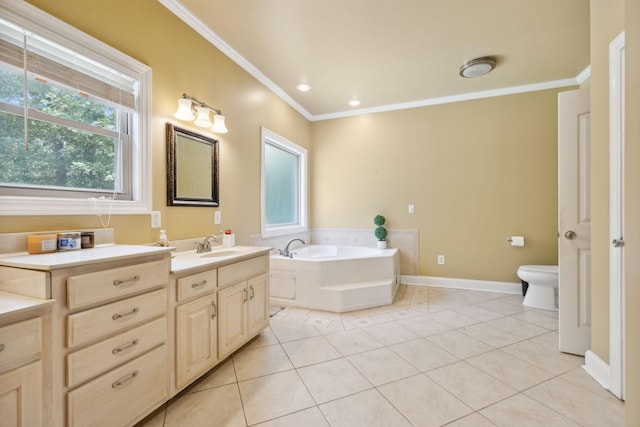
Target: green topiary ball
[(381, 233), (378, 220)]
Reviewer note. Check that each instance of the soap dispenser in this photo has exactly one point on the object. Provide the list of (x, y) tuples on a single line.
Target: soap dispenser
[(163, 241)]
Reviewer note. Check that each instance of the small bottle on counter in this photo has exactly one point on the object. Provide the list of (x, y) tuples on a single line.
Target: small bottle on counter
[(163, 241), (69, 241), (228, 239)]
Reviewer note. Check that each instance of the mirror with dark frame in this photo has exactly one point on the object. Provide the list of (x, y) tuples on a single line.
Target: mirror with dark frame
[(192, 168)]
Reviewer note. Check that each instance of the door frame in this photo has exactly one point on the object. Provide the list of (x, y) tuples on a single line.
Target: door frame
[(616, 220)]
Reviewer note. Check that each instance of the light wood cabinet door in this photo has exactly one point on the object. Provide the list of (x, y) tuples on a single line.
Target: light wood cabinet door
[(21, 396), (196, 338), (259, 303), (232, 318)]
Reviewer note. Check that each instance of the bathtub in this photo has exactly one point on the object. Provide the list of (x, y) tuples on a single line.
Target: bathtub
[(335, 278)]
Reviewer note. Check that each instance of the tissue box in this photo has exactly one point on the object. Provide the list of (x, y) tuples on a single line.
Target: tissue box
[(228, 240)]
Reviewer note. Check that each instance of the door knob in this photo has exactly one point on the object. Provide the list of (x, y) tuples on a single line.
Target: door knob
[(570, 235), (618, 243)]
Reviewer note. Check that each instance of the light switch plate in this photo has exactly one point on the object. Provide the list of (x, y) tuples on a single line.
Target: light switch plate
[(217, 217)]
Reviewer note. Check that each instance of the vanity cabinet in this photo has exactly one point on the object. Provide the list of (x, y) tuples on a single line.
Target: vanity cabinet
[(244, 303), (109, 332), (217, 308), (122, 332)]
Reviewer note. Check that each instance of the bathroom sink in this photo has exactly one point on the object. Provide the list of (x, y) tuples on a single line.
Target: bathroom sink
[(189, 259), (220, 254)]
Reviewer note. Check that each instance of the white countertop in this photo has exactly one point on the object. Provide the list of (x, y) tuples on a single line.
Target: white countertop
[(56, 260), (190, 260), (11, 303)]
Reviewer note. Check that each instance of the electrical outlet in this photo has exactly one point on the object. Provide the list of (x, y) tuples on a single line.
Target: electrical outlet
[(441, 259), (156, 219), (217, 217), (412, 208)]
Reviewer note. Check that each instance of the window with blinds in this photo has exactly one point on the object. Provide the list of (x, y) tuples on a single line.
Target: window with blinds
[(70, 122)]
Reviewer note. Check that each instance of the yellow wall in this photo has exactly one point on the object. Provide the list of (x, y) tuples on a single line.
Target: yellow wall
[(182, 61), (632, 211), (607, 21), (477, 172)]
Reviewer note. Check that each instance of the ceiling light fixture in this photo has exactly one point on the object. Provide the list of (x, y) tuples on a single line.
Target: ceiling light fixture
[(190, 108), (303, 87), (477, 67), (354, 103)]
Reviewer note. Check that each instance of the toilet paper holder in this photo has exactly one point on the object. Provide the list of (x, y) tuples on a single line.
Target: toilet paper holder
[(516, 240)]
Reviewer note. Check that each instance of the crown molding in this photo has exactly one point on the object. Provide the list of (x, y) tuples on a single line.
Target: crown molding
[(190, 19)]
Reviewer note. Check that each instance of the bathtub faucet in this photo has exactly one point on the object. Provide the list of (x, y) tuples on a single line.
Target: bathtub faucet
[(286, 252)]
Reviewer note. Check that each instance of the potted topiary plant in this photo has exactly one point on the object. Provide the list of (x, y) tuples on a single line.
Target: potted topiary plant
[(380, 232)]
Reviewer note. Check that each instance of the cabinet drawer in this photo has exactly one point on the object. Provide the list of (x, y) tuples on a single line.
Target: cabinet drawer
[(122, 395), (232, 273), (92, 288), (197, 284), (100, 321), (20, 343), (98, 358)]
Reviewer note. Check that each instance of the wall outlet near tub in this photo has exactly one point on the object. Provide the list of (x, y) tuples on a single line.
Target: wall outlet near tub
[(441, 259), (156, 219)]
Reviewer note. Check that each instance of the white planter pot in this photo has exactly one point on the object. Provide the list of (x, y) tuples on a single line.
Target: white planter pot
[(381, 244)]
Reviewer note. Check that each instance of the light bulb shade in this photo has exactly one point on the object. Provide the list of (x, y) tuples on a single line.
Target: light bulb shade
[(477, 67), (218, 124), (184, 111), (202, 117)]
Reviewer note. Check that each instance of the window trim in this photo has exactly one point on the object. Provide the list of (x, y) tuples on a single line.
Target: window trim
[(34, 19), (269, 137)]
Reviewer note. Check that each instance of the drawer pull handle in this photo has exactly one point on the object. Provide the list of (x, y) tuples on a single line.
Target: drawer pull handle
[(197, 285), (1, 347), (124, 379), (245, 294), (126, 281), (215, 310), (124, 347), (118, 315), (253, 292)]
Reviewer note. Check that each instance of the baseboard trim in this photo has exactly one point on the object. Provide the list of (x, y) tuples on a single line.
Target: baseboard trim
[(597, 368), (468, 284)]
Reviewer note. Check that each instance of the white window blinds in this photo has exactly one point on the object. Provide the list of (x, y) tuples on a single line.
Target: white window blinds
[(69, 69)]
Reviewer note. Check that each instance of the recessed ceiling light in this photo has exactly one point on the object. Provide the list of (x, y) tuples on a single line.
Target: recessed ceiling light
[(477, 67), (303, 87), (354, 102)]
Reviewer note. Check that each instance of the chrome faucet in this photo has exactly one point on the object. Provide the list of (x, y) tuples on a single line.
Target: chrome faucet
[(205, 245), (286, 252)]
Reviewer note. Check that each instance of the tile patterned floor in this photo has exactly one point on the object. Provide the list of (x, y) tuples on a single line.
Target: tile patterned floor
[(434, 357)]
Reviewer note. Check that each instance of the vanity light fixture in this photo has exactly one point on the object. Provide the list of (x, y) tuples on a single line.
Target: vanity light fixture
[(477, 67), (190, 108)]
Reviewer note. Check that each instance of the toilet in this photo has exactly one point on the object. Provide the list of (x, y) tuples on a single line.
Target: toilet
[(542, 291)]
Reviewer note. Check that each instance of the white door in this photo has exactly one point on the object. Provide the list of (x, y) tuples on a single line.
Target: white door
[(616, 218), (574, 221)]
